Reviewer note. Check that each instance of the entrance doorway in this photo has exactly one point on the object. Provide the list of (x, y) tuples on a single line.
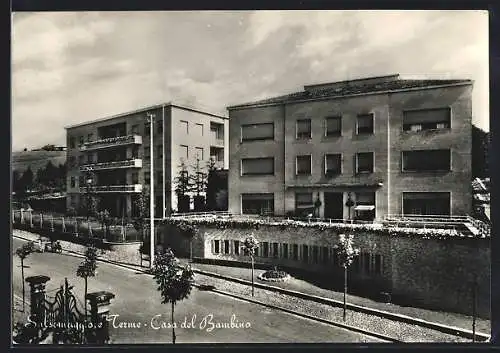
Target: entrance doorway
[(334, 205)]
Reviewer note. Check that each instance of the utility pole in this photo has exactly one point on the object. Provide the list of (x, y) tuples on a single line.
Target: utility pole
[(151, 190)]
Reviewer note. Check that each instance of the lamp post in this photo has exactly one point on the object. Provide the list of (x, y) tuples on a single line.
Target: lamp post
[(150, 119)]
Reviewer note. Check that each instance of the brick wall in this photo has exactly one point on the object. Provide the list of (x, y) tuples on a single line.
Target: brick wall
[(429, 273)]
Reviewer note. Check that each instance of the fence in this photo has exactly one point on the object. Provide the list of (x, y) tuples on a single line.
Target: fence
[(75, 227)]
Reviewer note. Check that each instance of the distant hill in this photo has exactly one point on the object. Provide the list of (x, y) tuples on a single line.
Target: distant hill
[(36, 159)]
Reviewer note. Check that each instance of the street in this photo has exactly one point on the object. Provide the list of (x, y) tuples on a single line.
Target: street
[(202, 318)]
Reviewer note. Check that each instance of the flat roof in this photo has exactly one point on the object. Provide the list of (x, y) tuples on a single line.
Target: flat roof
[(143, 109)]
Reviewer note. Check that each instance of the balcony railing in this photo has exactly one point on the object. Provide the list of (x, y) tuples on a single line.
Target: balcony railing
[(113, 188), (111, 142), (130, 163), (216, 141)]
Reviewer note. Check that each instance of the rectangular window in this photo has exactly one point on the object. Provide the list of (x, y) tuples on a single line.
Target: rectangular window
[(265, 249), (364, 162), (305, 253), (217, 131), (333, 126), (257, 204), (184, 127), (295, 252), (159, 126), (275, 250), (159, 151), (284, 250), (135, 151), (236, 245), (303, 202), (333, 164), (72, 142), (226, 247), (90, 137), (257, 166), (303, 128), (303, 165), (364, 210), (426, 119), (135, 178), (325, 255), (364, 124), (426, 203), (184, 152), (198, 129), (254, 132), (426, 160), (73, 182), (134, 129), (81, 140), (216, 247), (199, 152)]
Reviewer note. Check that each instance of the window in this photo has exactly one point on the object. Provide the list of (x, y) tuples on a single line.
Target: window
[(265, 249), (81, 140), (147, 177), (72, 142), (333, 126), (159, 126), (364, 162), (216, 247), (147, 152), (426, 119), (134, 129), (305, 253), (364, 124), (257, 166), (199, 152), (159, 151), (254, 132), (184, 126), (333, 164), (275, 250), (295, 252), (90, 137), (73, 182), (135, 178), (426, 203), (303, 202), (364, 210), (217, 131), (135, 151), (226, 247), (426, 160), (303, 129), (303, 165), (236, 245), (284, 250), (184, 152), (198, 129), (257, 204)]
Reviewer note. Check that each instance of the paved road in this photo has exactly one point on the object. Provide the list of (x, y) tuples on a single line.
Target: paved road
[(137, 303)]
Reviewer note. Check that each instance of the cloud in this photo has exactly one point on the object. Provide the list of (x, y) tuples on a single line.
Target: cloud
[(74, 67)]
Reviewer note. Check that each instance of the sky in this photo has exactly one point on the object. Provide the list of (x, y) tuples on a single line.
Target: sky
[(72, 67)]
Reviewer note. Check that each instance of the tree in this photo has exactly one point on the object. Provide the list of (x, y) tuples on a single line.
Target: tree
[(198, 184), (480, 152), (61, 177), (174, 281), (141, 207), (49, 148), (105, 220), (87, 268), (212, 185), (23, 252), (182, 187), (27, 179), (250, 244), (346, 254)]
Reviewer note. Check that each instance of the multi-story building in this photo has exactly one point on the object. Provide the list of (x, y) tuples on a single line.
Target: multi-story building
[(358, 149), (117, 150)]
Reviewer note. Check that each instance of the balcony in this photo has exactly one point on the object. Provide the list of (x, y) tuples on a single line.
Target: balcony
[(112, 142), (133, 188), (131, 163), (217, 142)]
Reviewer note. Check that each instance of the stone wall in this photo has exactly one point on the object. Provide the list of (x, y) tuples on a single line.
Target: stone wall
[(431, 273)]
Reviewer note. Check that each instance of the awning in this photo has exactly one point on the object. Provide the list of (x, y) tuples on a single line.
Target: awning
[(364, 207)]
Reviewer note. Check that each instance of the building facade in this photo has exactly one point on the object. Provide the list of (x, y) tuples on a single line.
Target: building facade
[(117, 151), (359, 149)]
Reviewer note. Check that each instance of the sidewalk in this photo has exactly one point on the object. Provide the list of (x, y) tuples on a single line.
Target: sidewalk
[(298, 285)]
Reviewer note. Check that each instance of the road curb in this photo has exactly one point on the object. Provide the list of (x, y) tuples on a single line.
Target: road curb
[(384, 314)]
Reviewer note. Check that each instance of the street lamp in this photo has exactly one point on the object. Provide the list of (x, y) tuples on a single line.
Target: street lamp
[(150, 120)]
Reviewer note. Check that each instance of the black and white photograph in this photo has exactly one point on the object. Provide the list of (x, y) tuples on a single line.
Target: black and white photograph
[(250, 176)]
